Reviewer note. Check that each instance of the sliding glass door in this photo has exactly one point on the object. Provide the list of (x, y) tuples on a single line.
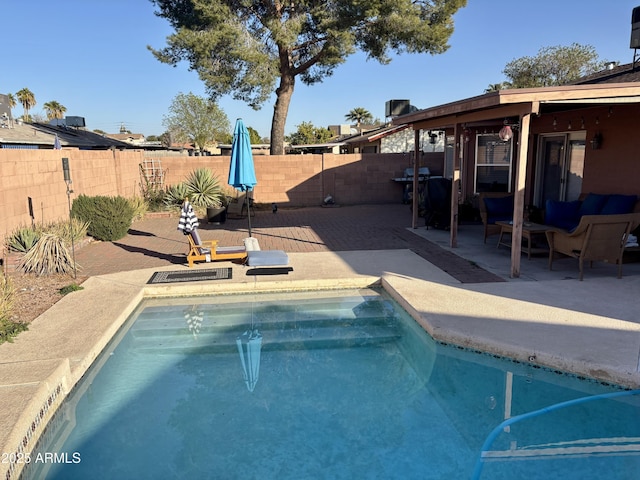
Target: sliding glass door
[(560, 167)]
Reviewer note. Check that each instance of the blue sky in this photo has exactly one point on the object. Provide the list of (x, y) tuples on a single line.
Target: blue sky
[(91, 56)]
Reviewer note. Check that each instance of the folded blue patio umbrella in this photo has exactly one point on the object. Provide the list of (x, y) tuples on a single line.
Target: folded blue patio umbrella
[(242, 174)]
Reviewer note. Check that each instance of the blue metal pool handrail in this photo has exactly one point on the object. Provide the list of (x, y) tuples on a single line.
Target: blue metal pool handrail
[(510, 421)]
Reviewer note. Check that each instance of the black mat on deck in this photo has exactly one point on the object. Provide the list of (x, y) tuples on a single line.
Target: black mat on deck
[(191, 276), (270, 271)]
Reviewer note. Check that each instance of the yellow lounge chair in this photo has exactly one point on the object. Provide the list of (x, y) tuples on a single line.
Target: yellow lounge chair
[(209, 251)]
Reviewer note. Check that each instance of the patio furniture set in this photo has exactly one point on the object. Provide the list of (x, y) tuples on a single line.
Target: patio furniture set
[(597, 228)]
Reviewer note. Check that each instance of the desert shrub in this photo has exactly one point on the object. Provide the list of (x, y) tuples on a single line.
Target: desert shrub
[(155, 199), (22, 239), (7, 295), (74, 287), (109, 217), (10, 329), (49, 255), (151, 188), (140, 207), (69, 230)]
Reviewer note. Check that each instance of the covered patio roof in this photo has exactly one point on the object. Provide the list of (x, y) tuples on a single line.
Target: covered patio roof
[(505, 104)]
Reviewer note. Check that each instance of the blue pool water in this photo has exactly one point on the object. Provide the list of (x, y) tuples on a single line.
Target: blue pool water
[(339, 385)]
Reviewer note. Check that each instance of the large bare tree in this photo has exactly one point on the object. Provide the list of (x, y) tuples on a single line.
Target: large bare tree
[(244, 48)]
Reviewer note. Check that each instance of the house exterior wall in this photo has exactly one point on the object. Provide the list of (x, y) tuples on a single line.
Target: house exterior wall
[(613, 168), (399, 142), (404, 140), (288, 180)]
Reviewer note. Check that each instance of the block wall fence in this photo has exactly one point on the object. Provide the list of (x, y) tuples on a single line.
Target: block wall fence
[(288, 180)]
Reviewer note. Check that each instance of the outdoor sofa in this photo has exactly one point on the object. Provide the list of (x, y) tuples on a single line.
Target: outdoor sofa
[(596, 238), (567, 215)]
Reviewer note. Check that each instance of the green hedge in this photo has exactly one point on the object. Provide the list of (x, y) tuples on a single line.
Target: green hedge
[(109, 217)]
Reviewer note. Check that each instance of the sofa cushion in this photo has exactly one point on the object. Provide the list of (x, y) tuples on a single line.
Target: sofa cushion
[(562, 214), (619, 204), (499, 208), (592, 204)]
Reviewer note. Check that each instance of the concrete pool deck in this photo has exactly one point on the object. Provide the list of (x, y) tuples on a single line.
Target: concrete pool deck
[(590, 328)]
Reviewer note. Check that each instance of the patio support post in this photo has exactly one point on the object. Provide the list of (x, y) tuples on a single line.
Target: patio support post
[(518, 199), (416, 171), (455, 187)]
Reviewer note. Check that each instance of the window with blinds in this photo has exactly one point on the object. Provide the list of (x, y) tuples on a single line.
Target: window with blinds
[(493, 164)]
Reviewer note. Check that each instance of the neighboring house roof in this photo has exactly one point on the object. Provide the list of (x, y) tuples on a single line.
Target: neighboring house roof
[(256, 148), (366, 136), (136, 138), (39, 135), (355, 139), (378, 133), (616, 74), (318, 145)]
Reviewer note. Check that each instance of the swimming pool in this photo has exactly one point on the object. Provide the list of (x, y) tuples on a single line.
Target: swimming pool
[(336, 384)]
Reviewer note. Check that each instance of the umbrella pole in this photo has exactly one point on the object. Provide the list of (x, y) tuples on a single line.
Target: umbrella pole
[(248, 212)]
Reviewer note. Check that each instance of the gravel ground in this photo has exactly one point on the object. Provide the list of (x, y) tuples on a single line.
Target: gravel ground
[(36, 294)]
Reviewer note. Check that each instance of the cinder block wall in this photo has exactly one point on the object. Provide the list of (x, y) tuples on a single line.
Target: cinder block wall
[(288, 180)]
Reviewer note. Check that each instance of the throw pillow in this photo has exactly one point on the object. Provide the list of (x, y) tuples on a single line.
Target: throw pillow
[(562, 214), (619, 204), (592, 204)]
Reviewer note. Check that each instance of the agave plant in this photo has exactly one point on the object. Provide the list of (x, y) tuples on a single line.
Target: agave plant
[(176, 194), (49, 255), (70, 231), (204, 188), (23, 239)]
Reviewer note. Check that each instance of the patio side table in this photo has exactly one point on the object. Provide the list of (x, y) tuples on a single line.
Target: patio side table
[(529, 230)]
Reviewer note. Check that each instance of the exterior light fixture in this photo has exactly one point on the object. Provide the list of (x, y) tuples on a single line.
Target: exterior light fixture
[(596, 141), (505, 133)]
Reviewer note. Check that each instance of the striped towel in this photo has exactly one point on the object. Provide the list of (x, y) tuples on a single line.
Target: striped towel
[(188, 219)]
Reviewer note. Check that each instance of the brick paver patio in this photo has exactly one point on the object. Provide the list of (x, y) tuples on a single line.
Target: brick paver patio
[(156, 242)]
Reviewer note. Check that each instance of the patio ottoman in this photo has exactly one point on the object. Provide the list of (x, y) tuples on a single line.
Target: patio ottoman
[(266, 258)]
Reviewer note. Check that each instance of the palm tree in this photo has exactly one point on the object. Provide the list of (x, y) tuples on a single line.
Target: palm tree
[(359, 115), (12, 101), (494, 87), (54, 110), (28, 101)]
